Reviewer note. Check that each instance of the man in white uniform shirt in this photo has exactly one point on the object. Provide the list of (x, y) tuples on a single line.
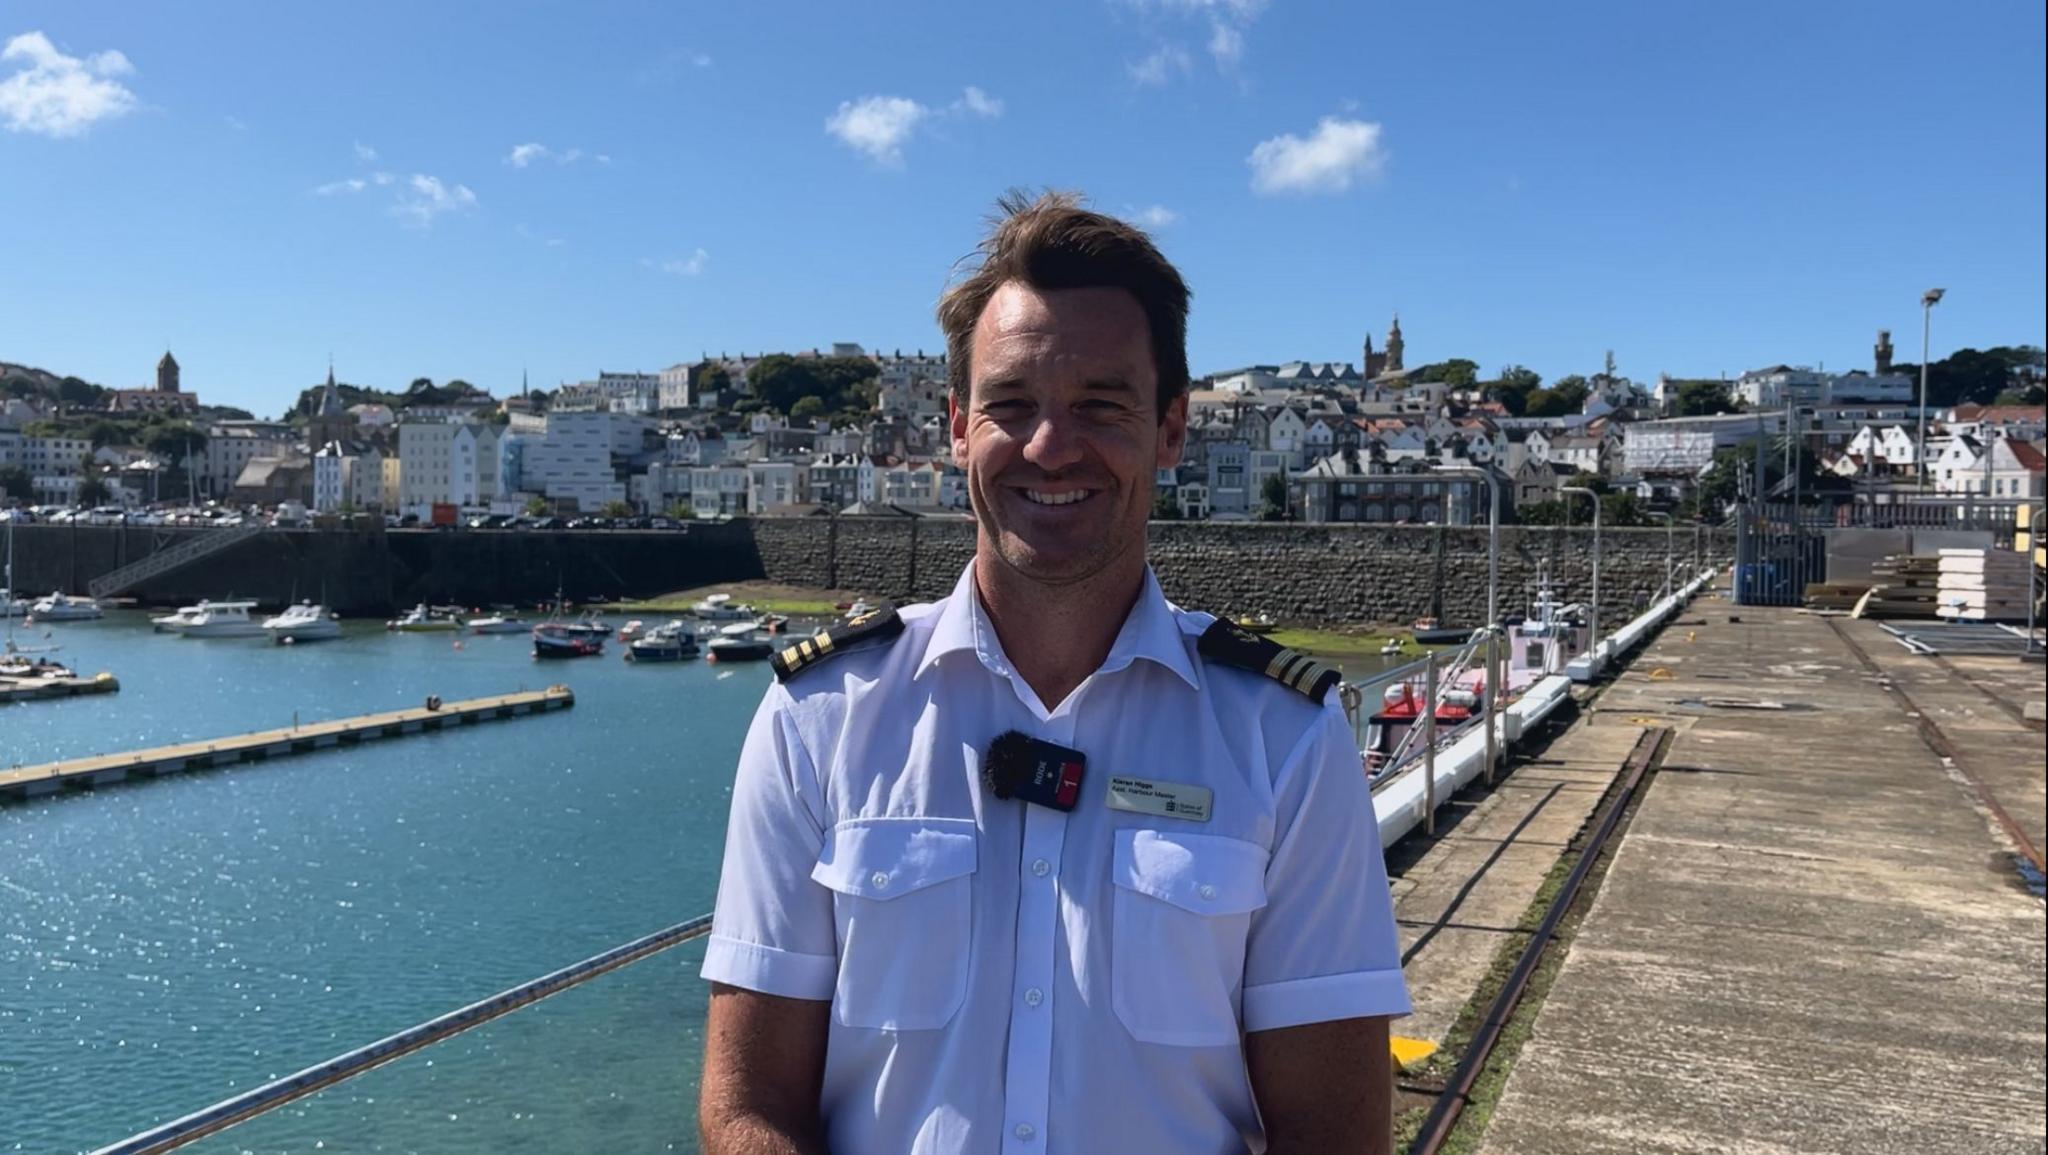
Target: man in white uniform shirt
[(1171, 931)]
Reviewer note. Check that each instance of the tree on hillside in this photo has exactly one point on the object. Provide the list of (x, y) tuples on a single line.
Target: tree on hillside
[(807, 407), (79, 394), (1974, 376), (780, 380), (1565, 397), (16, 386), (1703, 399), (681, 510), (537, 506), (616, 509), (1458, 372), (1512, 388), (15, 482), (1165, 508), (711, 378)]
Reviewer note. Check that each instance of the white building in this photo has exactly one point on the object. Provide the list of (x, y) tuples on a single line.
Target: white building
[(348, 474), (634, 393), (452, 463), (672, 387), (1779, 385), (914, 385), (232, 445), (1885, 449), (775, 483), (719, 490), (583, 457)]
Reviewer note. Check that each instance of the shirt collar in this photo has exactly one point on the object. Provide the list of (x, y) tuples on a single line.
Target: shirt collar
[(1150, 631)]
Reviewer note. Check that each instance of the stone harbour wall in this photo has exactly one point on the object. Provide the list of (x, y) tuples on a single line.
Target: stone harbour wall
[(1306, 574)]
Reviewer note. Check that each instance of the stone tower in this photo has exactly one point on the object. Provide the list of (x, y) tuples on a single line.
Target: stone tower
[(1394, 346), (167, 374), (1884, 351)]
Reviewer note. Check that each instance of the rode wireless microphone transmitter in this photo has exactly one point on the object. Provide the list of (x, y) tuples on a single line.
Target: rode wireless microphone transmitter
[(1020, 766)]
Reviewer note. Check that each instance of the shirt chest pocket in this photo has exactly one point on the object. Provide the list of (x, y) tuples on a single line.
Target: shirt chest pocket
[(902, 900), (1184, 906)]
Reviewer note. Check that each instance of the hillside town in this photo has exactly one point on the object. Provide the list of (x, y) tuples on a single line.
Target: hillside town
[(858, 431)]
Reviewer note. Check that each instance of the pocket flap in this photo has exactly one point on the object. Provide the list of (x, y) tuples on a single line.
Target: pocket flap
[(1202, 873), (884, 858)]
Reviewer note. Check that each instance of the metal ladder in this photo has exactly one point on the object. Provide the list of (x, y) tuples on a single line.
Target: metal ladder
[(177, 557)]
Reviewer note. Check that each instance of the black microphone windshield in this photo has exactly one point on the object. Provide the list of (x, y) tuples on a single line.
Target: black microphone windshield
[(1008, 755)]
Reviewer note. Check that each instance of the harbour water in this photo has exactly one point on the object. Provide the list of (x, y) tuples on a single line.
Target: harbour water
[(170, 942)]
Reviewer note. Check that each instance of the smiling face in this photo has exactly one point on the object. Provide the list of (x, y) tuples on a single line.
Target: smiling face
[(1061, 434)]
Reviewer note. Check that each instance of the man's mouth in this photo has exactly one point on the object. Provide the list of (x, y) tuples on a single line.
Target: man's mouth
[(1064, 497)]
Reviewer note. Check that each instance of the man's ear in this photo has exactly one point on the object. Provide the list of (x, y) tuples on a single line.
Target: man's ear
[(1173, 432), (956, 422)]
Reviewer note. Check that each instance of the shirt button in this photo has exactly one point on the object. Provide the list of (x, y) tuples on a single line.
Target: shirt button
[(1206, 892), (1033, 997), (879, 878), (1041, 868), (1025, 1131)]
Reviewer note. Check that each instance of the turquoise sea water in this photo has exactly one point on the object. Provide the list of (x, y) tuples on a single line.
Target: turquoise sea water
[(169, 942)]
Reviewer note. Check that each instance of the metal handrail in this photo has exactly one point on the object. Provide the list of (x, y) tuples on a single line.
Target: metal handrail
[(320, 1076)]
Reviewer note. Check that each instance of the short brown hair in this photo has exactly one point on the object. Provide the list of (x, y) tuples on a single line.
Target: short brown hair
[(1050, 243)]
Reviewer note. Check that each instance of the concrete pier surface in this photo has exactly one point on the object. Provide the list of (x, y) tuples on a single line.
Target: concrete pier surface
[(1814, 936), (101, 769)]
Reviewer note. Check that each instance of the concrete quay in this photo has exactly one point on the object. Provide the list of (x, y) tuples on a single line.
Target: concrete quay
[(102, 769), (1814, 936), (37, 689)]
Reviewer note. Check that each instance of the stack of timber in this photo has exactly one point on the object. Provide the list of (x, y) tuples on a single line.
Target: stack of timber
[(1982, 585), (1841, 596), (1907, 586)]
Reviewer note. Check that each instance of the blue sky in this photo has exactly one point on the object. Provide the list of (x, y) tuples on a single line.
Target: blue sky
[(1701, 188)]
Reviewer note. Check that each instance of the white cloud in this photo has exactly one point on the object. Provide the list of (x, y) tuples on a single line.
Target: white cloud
[(690, 266), (337, 187), (1165, 62), (1226, 44), (877, 125), (1336, 155), (381, 178), (365, 153), (979, 103), (1155, 216), (701, 60), (523, 155), (880, 126), (236, 123), (56, 95), (426, 198)]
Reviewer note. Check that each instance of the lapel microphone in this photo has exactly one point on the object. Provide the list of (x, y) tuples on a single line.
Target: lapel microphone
[(1020, 766)]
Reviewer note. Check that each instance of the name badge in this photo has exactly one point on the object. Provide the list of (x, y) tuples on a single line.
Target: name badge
[(1166, 799)]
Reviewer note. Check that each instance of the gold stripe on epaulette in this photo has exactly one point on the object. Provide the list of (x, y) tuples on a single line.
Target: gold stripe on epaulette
[(824, 641), (1310, 674), (793, 657), (1276, 668)]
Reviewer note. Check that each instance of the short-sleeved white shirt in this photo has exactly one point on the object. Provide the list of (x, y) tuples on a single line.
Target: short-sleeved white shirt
[(1008, 977)]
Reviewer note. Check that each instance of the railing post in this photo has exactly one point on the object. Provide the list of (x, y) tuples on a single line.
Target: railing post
[(1428, 724), (1494, 690)]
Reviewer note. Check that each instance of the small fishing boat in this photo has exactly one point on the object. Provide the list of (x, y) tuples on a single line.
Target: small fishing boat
[(1430, 632), (424, 619), (61, 607), (1401, 710), (1257, 623), (740, 643), (304, 622), (632, 630), (1391, 648), (669, 642), (858, 609), (554, 640), (498, 624)]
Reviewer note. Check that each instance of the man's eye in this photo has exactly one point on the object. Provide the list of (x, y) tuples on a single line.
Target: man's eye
[(1005, 407)]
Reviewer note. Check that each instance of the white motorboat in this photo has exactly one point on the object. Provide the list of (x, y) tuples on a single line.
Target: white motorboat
[(498, 624), (422, 619), (632, 630), (744, 646), (721, 608), (176, 621), (304, 622), (223, 620), (860, 609), (59, 607), (11, 606)]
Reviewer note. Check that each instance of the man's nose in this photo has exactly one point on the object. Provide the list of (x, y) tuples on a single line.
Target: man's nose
[(1055, 443)]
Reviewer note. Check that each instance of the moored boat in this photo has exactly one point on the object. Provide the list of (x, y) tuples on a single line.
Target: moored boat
[(304, 622), (178, 619), (61, 607), (223, 620), (669, 642), (740, 643), (498, 624), (1430, 632), (423, 619), (721, 608), (554, 640)]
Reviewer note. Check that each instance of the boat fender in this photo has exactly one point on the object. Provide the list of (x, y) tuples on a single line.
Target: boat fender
[(1233, 645), (867, 629)]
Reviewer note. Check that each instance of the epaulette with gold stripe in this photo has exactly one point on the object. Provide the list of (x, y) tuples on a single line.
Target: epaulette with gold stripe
[(1233, 645), (802, 655)]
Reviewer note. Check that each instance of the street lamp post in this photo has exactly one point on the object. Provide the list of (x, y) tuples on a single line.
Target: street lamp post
[(1593, 641), (1492, 537), (1928, 300)]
